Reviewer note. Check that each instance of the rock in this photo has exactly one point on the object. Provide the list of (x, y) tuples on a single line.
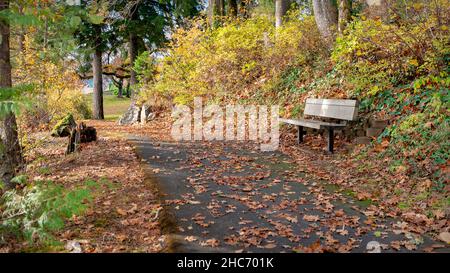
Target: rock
[(131, 116), (145, 112), (347, 132), (445, 237), (136, 114), (379, 123), (151, 116), (363, 140), (374, 131), (73, 247), (360, 133)]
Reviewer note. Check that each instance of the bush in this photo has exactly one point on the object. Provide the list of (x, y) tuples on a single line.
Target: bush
[(231, 62), (57, 88), (373, 56), (40, 209), (68, 101)]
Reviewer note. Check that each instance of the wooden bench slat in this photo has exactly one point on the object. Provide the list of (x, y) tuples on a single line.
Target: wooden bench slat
[(330, 108), (337, 102), (315, 124)]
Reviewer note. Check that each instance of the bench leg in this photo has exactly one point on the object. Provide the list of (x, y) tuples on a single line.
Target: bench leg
[(330, 140), (299, 134)]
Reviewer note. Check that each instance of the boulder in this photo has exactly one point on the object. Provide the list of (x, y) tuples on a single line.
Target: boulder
[(131, 116), (151, 116), (363, 140), (379, 123), (374, 132), (145, 112)]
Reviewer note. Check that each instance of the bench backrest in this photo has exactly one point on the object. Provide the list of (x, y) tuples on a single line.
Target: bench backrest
[(331, 108)]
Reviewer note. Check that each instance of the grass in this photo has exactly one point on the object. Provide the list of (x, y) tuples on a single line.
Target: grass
[(113, 106)]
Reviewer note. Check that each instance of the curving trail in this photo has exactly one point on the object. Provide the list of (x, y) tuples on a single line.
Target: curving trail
[(232, 197)]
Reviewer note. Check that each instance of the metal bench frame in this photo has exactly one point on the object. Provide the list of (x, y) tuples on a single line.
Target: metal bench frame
[(343, 110)]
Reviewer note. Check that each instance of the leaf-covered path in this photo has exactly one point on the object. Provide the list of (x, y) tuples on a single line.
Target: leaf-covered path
[(232, 197)]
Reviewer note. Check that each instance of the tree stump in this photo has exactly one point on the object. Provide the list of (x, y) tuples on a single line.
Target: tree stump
[(64, 127), (77, 133), (80, 134)]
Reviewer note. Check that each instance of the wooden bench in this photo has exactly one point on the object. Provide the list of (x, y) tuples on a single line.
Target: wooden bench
[(342, 110)]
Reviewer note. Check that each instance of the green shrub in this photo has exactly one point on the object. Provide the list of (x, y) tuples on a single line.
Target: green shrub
[(40, 209), (373, 56)]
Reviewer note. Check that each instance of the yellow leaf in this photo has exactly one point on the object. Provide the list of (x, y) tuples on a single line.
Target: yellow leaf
[(417, 6), (374, 90), (414, 62)]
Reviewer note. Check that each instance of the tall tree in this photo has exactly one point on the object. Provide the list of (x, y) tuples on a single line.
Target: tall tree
[(219, 7), (144, 23), (97, 71), (133, 44), (281, 8), (10, 153), (215, 8), (326, 16), (95, 36)]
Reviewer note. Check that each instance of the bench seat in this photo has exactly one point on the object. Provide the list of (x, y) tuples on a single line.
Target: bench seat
[(315, 124), (337, 109)]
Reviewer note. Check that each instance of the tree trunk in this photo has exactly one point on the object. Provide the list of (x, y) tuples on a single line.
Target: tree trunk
[(215, 8), (21, 35), (98, 84), (220, 7), (119, 84), (344, 14), (133, 49), (325, 14), (281, 8), (120, 89), (232, 8), (210, 12), (5, 57), (377, 9), (133, 43), (10, 153), (127, 89)]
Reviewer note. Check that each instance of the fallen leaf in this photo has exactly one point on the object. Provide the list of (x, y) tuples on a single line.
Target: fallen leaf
[(396, 245), (270, 246), (210, 242), (190, 238), (121, 211), (311, 218), (339, 213), (121, 237), (445, 237)]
